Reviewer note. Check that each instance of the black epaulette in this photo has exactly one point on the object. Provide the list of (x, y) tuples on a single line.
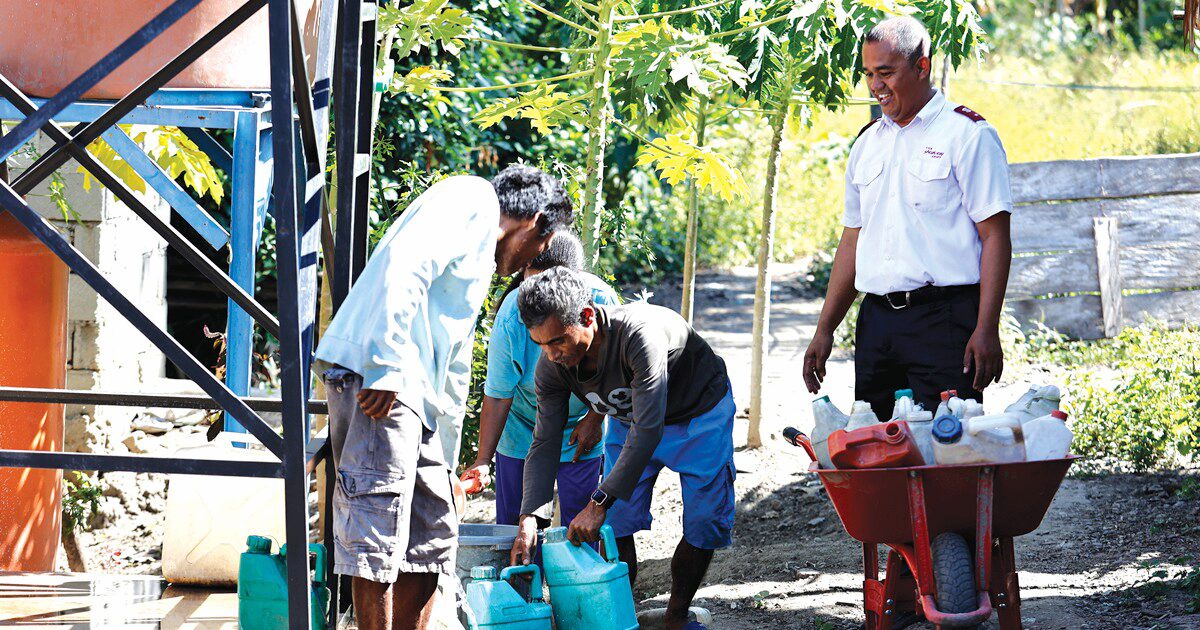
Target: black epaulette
[(865, 128)]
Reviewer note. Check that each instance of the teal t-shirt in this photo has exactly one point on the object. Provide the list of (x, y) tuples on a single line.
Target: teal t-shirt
[(512, 362)]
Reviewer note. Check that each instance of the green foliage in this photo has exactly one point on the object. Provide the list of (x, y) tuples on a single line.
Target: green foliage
[(80, 500), (424, 24), (173, 151)]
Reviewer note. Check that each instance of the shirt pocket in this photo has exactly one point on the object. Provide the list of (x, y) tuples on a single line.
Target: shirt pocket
[(928, 184), (867, 175)]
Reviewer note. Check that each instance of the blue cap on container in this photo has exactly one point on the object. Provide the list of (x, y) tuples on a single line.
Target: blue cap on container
[(258, 544), (947, 429), (901, 393), (483, 573)]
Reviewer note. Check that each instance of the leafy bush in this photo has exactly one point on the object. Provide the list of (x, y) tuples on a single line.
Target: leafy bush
[(1134, 400)]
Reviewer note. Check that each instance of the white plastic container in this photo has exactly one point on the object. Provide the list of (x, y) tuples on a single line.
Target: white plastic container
[(209, 518), (1048, 437), (828, 419), (904, 404), (920, 422), (965, 408), (1039, 401), (944, 406), (981, 440), (861, 416)]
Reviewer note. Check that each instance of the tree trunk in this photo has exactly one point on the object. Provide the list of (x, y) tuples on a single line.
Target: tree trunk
[(598, 119), (762, 290), (693, 219), (76, 557)]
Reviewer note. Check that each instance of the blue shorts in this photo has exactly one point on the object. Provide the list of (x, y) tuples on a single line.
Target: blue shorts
[(701, 451)]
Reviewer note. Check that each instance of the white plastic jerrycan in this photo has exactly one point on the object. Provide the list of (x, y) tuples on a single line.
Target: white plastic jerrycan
[(944, 406), (980, 440), (861, 416), (1047, 437), (1039, 401), (828, 419), (920, 422)]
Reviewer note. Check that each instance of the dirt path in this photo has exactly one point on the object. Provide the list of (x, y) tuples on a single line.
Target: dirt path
[(792, 566)]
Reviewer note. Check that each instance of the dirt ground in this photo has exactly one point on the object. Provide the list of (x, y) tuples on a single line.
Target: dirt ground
[(1098, 560)]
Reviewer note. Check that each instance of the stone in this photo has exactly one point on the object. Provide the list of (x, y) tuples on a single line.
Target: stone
[(151, 425), (136, 442)]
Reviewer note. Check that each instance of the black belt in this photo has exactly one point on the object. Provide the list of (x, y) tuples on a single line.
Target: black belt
[(925, 295)]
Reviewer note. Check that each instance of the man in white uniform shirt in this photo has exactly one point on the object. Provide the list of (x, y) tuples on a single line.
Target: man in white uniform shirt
[(926, 237)]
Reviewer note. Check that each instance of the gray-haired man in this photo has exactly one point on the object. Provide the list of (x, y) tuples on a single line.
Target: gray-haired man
[(669, 404)]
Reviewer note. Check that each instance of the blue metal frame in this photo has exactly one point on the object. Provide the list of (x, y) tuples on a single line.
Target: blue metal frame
[(297, 144)]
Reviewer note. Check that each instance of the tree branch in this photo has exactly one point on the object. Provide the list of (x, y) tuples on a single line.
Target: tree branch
[(749, 27), (658, 14), (505, 86), (554, 16), (500, 42)]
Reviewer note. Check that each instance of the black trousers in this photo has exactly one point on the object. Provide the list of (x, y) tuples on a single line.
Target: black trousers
[(919, 347)]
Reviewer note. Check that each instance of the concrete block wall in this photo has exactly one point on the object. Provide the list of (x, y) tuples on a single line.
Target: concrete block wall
[(104, 351)]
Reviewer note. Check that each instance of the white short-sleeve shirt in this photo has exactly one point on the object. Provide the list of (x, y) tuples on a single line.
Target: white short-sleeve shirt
[(917, 192)]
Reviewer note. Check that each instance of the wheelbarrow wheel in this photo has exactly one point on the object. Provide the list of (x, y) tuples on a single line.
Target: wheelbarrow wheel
[(954, 574)]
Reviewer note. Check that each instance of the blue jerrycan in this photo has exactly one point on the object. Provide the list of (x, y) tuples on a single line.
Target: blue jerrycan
[(587, 592), (262, 587), (494, 603)]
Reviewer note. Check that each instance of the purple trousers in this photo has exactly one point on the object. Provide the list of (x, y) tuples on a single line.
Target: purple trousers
[(576, 483)]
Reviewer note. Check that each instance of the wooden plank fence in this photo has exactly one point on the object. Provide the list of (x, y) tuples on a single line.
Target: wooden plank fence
[(1105, 243)]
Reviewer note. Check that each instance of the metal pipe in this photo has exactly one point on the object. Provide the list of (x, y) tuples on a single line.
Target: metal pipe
[(138, 463), (130, 399)]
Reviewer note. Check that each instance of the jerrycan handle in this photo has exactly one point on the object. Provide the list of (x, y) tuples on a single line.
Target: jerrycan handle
[(535, 591), (975, 425), (319, 571), (609, 538)]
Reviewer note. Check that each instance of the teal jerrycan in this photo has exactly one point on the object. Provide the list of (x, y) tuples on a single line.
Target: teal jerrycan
[(262, 587), (587, 591), (493, 603)]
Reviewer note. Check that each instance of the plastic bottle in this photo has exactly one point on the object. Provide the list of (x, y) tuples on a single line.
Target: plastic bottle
[(920, 422), (904, 404), (1047, 437), (828, 419), (944, 407), (964, 409), (980, 440), (861, 416), (888, 445), (587, 591), (492, 601), (262, 587)]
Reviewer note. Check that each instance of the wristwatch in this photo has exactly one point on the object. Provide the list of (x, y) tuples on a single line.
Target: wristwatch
[(603, 499)]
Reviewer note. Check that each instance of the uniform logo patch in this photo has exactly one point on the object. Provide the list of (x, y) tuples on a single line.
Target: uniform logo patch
[(937, 155)]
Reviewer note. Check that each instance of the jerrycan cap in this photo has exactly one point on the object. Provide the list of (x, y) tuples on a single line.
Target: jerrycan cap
[(556, 535), (1061, 415), (484, 573), (258, 544), (903, 393), (824, 398), (946, 395), (947, 429)]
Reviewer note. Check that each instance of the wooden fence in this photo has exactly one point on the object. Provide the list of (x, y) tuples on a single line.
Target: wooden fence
[(1105, 243)]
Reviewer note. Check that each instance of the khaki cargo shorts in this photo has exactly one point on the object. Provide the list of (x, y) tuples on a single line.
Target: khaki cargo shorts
[(393, 507)]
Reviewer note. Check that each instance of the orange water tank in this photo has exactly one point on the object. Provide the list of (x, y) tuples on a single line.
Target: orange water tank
[(33, 349)]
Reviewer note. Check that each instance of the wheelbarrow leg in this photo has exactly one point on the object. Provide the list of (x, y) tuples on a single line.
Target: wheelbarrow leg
[(873, 590), (1006, 591)]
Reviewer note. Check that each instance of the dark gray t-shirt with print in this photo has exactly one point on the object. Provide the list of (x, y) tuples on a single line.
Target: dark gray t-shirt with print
[(653, 370)]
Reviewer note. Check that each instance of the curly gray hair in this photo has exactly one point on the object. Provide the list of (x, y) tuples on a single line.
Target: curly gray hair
[(558, 292)]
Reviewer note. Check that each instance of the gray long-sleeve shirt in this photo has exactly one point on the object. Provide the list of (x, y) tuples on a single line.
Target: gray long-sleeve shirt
[(653, 370)]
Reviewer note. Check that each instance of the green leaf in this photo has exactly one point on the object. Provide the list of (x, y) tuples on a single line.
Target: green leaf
[(419, 80), (678, 159)]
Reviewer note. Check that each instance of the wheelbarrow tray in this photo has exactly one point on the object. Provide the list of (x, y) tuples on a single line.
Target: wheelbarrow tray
[(874, 503)]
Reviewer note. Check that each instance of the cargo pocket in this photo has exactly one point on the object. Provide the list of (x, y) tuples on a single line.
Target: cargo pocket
[(369, 507)]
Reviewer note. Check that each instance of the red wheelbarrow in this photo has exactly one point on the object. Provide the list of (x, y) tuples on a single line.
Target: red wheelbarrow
[(930, 516)]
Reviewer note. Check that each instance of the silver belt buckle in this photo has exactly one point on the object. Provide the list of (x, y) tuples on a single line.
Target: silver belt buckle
[(906, 304)]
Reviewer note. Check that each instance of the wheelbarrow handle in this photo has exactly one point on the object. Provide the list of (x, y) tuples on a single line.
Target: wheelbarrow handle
[(796, 438)]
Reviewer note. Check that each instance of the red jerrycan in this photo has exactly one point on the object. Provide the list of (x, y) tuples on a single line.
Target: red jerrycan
[(888, 445)]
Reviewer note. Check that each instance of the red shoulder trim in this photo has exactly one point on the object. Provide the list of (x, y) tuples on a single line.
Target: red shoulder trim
[(865, 128), (969, 113)]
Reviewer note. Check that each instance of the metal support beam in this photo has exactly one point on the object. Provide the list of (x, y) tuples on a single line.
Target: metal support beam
[(294, 368), (130, 399), (42, 168), (162, 228), (94, 75), (139, 463), (213, 149)]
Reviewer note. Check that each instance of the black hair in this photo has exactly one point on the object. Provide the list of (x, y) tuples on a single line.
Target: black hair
[(524, 191), (564, 250)]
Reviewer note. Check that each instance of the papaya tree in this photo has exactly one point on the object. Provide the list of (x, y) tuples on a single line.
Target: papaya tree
[(804, 57)]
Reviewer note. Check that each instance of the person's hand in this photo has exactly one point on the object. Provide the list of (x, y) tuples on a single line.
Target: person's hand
[(587, 434), (586, 526), (986, 356), (522, 550), (814, 361), (376, 403), (481, 473)]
